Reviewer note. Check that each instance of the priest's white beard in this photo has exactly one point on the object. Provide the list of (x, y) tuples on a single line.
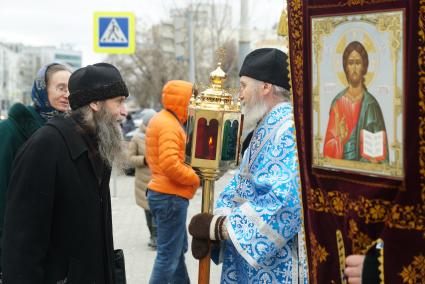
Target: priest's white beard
[(109, 134), (253, 113)]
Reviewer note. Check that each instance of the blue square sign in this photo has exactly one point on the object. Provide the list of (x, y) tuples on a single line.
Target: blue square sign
[(114, 32)]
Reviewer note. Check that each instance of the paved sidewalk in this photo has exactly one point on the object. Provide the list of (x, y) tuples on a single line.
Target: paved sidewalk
[(131, 232)]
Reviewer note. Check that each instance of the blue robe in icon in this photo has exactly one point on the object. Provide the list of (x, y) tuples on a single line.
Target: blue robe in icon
[(264, 208)]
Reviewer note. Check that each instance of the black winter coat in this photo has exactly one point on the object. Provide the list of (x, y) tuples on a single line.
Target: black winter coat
[(58, 226)]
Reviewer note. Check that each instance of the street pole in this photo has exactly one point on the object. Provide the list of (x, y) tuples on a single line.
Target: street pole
[(244, 40), (191, 47)]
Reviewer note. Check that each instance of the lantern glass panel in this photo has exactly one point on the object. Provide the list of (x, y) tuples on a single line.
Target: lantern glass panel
[(201, 130), (230, 134), (206, 139)]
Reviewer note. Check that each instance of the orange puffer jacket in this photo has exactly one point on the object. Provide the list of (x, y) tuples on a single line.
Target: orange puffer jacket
[(165, 144)]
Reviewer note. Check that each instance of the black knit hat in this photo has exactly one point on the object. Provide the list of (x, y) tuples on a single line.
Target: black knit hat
[(96, 82), (269, 65)]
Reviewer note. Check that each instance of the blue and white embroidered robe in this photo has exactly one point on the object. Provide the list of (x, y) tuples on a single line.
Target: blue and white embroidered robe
[(263, 208)]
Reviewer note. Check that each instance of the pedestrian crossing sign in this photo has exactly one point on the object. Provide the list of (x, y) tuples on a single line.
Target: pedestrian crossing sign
[(114, 32)]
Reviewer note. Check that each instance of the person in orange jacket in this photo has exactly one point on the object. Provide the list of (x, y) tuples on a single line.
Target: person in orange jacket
[(173, 182)]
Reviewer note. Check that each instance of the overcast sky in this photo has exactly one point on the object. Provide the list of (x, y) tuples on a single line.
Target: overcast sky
[(55, 22)]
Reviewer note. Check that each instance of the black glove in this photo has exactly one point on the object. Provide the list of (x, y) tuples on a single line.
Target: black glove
[(208, 227)]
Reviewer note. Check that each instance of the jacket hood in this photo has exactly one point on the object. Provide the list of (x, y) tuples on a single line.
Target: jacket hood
[(176, 96)]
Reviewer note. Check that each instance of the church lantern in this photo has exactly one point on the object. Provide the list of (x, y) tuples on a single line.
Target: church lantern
[(213, 140)]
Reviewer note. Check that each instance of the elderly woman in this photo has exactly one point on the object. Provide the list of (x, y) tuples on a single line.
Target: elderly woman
[(50, 98)]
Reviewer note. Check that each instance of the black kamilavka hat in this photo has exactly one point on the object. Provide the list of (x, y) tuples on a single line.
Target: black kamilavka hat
[(96, 82), (269, 65)]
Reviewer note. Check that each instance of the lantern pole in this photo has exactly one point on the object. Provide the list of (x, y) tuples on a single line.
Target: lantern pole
[(208, 176)]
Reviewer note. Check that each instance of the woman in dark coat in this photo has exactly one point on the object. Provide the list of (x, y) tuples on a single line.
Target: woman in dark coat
[(50, 98)]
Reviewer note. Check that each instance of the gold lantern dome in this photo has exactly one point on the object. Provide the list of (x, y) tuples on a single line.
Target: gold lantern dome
[(215, 97)]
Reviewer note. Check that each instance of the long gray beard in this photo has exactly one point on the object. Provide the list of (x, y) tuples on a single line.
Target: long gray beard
[(110, 139), (253, 114)]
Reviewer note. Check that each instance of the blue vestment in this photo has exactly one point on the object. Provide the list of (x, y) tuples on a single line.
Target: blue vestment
[(263, 208)]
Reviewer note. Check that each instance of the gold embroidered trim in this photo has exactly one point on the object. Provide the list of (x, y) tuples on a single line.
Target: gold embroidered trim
[(360, 241), (421, 90), (407, 217), (415, 272), (295, 50), (410, 217), (295, 17), (350, 3), (318, 255), (339, 203)]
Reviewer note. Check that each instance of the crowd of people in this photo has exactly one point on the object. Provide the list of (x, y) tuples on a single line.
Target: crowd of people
[(56, 158)]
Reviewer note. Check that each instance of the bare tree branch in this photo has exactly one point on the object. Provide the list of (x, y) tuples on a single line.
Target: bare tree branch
[(146, 71)]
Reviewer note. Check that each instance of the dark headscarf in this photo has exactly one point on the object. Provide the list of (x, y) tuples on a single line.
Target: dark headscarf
[(39, 94)]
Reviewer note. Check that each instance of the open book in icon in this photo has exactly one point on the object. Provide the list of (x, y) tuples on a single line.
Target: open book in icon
[(373, 145)]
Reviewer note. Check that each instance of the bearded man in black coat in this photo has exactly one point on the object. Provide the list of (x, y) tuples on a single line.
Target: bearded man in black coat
[(58, 225)]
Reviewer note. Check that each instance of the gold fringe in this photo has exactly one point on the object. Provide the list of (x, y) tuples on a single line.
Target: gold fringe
[(341, 255), (282, 29)]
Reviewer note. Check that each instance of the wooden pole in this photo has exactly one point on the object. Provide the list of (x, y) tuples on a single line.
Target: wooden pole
[(204, 269), (207, 206)]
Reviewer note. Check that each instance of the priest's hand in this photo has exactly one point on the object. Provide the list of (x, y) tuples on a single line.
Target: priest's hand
[(200, 248), (353, 268), (205, 227), (208, 227)]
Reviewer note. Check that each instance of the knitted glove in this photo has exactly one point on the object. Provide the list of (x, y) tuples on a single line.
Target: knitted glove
[(200, 248), (208, 227)]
